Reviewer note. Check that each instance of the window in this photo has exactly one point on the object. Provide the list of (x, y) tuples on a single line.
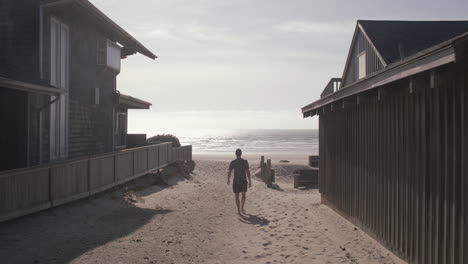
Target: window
[(113, 55), (58, 138), (362, 65), (108, 54), (120, 129)]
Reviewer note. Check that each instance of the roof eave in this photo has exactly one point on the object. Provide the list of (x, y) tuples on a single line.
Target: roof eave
[(30, 87), (377, 52), (348, 58), (126, 37), (130, 102), (430, 58), (358, 28)]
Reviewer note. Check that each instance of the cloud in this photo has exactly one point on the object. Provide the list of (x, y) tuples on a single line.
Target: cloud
[(191, 31), (157, 33), (312, 27)]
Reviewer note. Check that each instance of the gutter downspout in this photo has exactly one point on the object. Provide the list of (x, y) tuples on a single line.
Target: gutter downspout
[(41, 31), (42, 108)]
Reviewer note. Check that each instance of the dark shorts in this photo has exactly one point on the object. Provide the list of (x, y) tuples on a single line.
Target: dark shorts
[(238, 187)]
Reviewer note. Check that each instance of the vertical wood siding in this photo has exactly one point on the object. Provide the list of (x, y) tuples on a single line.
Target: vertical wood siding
[(397, 166)]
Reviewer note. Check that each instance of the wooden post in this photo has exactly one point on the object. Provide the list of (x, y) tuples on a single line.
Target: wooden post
[(262, 169), (268, 174)]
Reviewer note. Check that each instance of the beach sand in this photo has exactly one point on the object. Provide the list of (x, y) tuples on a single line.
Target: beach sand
[(192, 221)]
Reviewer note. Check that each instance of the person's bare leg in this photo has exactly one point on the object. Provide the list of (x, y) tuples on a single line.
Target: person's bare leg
[(238, 203), (243, 202)]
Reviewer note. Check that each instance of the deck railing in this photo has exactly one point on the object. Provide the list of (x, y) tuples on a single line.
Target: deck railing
[(28, 190)]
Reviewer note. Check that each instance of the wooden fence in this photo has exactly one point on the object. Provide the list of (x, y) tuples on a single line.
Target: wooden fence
[(29, 190), (267, 174)]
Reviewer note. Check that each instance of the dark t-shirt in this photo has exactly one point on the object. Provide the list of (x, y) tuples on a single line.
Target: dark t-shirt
[(239, 166)]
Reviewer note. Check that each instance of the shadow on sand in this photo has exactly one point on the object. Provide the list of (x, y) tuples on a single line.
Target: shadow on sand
[(254, 220), (62, 234), (155, 182), (277, 187)]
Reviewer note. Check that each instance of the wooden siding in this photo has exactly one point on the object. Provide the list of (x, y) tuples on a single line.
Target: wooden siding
[(373, 62), (90, 125), (398, 166), (19, 40), (24, 191)]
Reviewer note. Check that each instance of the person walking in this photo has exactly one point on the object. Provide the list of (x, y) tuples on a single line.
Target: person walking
[(239, 183)]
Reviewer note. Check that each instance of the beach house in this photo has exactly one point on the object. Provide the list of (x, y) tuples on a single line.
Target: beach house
[(59, 60), (393, 137)]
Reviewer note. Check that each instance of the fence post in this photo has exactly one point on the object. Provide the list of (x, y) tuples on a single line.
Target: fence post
[(169, 154), (89, 174), (147, 159), (159, 156), (268, 174), (133, 162), (262, 169)]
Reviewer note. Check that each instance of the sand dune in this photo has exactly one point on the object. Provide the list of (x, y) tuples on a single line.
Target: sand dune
[(192, 221)]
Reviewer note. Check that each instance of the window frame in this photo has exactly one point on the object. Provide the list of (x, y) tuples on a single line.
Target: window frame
[(362, 69), (119, 126), (59, 77)]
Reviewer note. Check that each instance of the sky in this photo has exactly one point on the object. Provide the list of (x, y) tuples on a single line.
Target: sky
[(243, 64)]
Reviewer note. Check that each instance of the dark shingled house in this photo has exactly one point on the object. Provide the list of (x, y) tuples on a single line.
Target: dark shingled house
[(393, 137), (58, 66)]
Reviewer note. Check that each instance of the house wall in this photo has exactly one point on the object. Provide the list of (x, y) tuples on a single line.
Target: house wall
[(398, 166), (19, 60), (19, 40), (90, 125), (373, 62)]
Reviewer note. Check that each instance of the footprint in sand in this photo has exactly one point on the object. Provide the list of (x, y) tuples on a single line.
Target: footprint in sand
[(267, 243)]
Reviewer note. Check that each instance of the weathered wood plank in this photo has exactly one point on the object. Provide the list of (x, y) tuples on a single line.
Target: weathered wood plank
[(397, 166), (123, 165), (69, 179)]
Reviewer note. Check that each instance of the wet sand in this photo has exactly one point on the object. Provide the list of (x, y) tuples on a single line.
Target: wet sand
[(192, 221)]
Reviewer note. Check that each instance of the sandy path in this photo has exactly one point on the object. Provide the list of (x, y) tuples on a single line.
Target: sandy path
[(194, 221)]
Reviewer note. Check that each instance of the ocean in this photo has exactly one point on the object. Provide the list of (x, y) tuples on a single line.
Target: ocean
[(270, 141)]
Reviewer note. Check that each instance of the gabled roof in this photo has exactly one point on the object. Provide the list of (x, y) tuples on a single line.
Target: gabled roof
[(358, 30), (129, 43), (123, 37), (443, 53), (396, 40), (407, 48)]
